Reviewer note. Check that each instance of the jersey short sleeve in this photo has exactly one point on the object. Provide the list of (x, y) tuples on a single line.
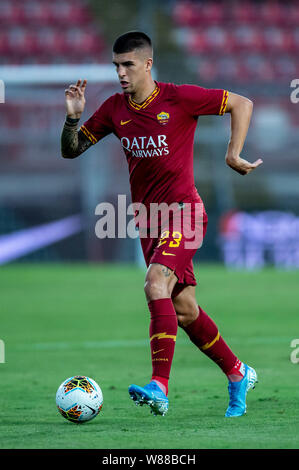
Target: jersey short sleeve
[(100, 123), (201, 101)]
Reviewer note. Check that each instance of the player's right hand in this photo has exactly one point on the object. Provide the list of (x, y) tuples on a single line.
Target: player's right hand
[(242, 166), (75, 100)]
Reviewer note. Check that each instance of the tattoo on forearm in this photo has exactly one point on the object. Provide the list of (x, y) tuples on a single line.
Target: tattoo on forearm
[(166, 271), (73, 143)]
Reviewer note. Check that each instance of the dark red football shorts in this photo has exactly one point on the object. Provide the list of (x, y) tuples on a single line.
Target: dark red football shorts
[(174, 242)]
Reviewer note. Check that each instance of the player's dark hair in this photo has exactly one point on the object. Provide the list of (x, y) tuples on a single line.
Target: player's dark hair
[(130, 41)]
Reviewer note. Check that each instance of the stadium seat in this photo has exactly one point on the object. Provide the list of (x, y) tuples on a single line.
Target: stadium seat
[(216, 39), (5, 47), (36, 31), (244, 13), (10, 13), (213, 13), (275, 39), (292, 14), (207, 70), (254, 32), (61, 13), (196, 43), (35, 13), (285, 68), (272, 13), (186, 14), (247, 38)]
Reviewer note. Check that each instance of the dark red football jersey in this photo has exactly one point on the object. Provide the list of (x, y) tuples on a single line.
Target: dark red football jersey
[(157, 137)]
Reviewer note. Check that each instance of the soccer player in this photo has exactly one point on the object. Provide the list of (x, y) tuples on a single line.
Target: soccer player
[(155, 123)]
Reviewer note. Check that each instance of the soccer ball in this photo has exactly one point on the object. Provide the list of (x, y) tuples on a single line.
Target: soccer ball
[(79, 399)]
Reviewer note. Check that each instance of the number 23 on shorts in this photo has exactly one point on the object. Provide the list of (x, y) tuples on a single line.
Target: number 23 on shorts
[(175, 241)]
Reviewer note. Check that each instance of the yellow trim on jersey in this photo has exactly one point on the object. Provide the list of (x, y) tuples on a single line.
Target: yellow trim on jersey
[(147, 101), (224, 102), (209, 345), (88, 134)]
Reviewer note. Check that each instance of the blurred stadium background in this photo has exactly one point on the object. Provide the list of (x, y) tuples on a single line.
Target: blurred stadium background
[(47, 204)]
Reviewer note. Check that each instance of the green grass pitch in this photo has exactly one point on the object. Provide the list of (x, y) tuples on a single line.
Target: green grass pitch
[(64, 320)]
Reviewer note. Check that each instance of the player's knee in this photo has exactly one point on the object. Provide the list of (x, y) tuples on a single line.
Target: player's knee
[(159, 282), (155, 289)]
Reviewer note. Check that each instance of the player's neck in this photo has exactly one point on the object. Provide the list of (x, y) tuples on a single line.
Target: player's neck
[(141, 95)]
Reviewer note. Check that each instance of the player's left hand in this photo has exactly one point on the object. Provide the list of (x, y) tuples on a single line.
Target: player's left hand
[(241, 165)]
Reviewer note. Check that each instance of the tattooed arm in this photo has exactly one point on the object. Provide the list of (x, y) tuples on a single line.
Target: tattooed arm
[(73, 143)]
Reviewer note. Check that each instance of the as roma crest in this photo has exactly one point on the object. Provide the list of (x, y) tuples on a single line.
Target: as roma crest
[(163, 117)]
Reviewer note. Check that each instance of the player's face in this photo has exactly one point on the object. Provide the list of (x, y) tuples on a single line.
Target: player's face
[(132, 69)]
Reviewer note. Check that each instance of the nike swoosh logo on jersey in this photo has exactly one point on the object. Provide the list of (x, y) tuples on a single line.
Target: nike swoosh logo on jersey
[(159, 350), (122, 123), (170, 254)]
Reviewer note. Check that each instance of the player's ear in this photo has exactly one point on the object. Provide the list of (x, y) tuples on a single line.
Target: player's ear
[(149, 64)]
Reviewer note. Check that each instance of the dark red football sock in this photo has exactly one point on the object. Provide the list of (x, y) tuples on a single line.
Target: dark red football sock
[(163, 330), (237, 372), (205, 335)]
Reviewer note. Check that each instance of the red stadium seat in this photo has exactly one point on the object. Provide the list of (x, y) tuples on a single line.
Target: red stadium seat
[(60, 43), (186, 13), (35, 12), (243, 74), (217, 39), (21, 41), (79, 14), (5, 46), (83, 41), (285, 67), (52, 42), (248, 38), (260, 68), (212, 39), (292, 14), (244, 13), (272, 13), (228, 68), (10, 13), (196, 43), (233, 42), (207, 70), (276, 39), (294, 41), (212, 13), (39, 30), (60, 13)]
